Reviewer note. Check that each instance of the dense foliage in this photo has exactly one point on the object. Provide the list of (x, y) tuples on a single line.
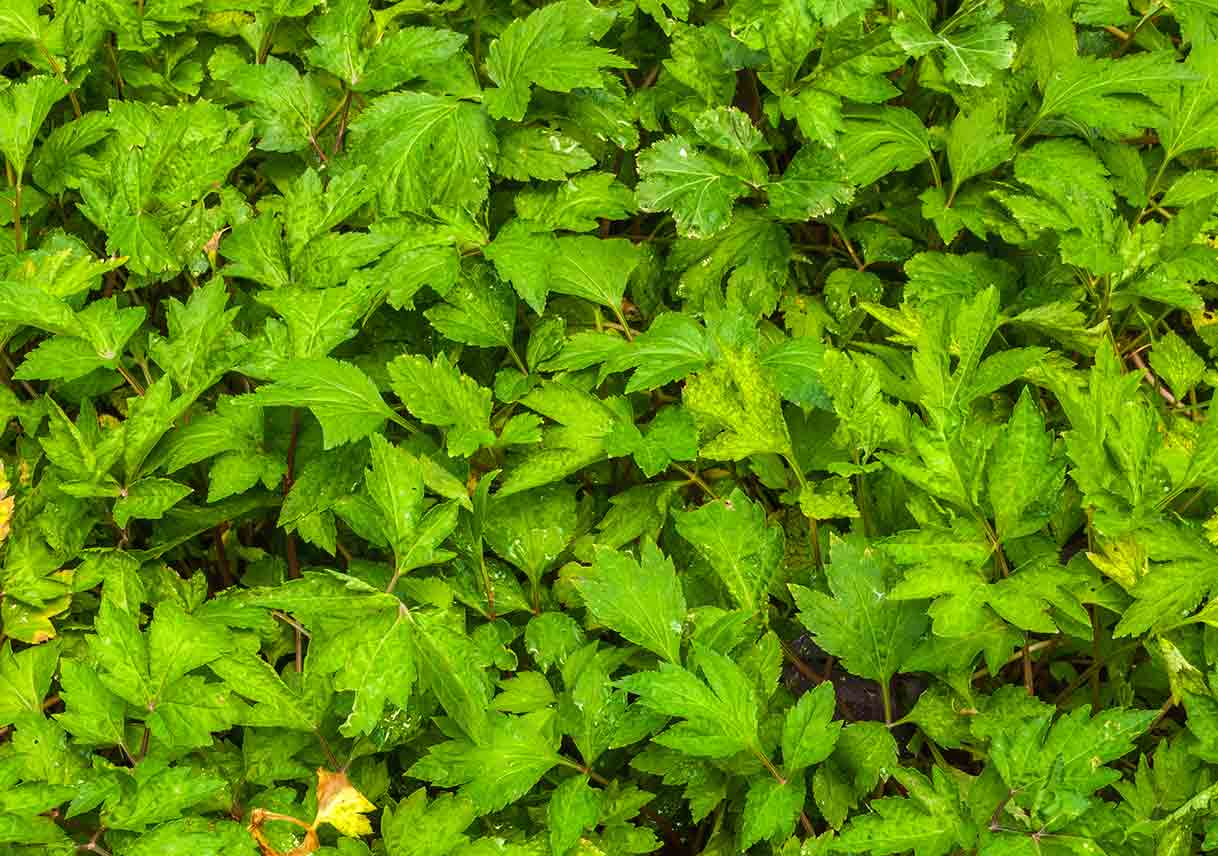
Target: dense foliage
[(769, 426)]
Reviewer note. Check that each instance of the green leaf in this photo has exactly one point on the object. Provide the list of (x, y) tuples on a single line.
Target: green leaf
[(1081, 212), (720, 713), (578, 204), (641, 601), (1081, 746), (1177, 363), (1117, 95), (386, 64), (815, 182), (25, 679), (148, 499), (319, 320), (395, 136), (450, 667), (201, 345), (480, 310), (362, 656), (346, 403), (534, 152), (574, 808), (858, 621), (287, 105), (1025, 478), (418, 827), (586, 424), (771, 809), (929, 823), (694, 186), (809, 732), (551, 48), (277, 705), (673, 346), (531, 529), (515, 755), (23, 109), (19, 22), (877, 141), (92, 714), (973, 147), (1189, 123), (439, 394), (593, 269), (737, 404), (671, 436), (974, 45), (735, 539)]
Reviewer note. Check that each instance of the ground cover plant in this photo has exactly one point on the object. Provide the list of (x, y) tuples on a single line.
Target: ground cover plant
[(467, 427)]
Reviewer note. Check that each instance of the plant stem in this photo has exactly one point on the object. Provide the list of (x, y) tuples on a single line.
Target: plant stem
[(621, 319), (813, 526), (289, 479), (694, 478), (18, 236), (516, 359)]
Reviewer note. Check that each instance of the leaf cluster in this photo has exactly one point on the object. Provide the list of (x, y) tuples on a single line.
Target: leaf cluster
[(456, 428)]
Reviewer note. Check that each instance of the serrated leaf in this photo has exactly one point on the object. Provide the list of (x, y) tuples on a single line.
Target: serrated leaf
[(699, 192), (439, 394), (345, 401), (641, 601), (551, 48), (733, 536), (859, 622), (809, 732)]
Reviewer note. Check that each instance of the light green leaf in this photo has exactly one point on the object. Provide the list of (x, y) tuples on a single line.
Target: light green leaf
[(479, 310), (809, 731), (859, 622), (880, 140), (574, 808), (1117, 95), (551, 48), (975, 144), (735, 402), (395, 138), (23, 109), (533, 152), (1177, 363), (973, 44), (720, 714), (439, 394), (346, 403), (577, 204), (421, 828), (516, 753), (1025, 477), (695, 187), (641, 601), (771, 809), (25, 679), (148, 499), (815, 182), (733, 536)]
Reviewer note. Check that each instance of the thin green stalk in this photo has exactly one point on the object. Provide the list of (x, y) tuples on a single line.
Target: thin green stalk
[(18, 234), (813, 526)]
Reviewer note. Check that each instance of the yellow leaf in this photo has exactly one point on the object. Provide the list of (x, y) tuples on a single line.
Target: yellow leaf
[(6, 505), (341, 805)]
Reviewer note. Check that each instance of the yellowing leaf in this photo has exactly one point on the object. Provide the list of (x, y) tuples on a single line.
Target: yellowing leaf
[(6, 505), (341, 805)]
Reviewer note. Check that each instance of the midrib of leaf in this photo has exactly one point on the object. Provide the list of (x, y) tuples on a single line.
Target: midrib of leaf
[(867, 595)]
